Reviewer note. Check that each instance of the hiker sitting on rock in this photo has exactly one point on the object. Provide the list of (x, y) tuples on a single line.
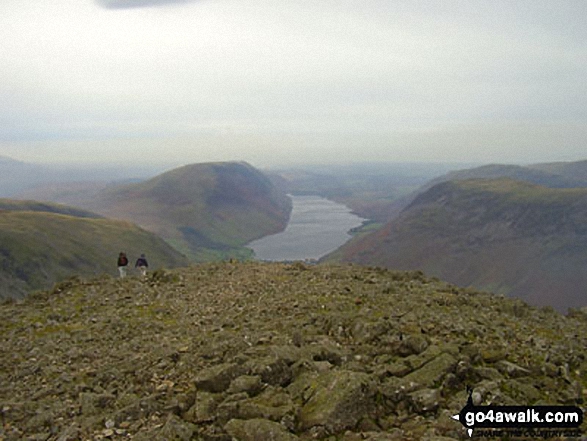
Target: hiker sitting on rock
[(122, 263), (142, 265)]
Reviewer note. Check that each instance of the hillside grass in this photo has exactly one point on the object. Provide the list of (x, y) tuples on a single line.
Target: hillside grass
[(517, 192), (47, 207), (206, 211), (39, 248)]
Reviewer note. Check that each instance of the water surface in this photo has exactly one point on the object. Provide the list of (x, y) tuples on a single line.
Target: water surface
[(317, 226)]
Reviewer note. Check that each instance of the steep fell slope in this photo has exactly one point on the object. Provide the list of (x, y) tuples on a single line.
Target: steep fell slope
[(255, 352), (204, 210), (38, 248), (501, 235)]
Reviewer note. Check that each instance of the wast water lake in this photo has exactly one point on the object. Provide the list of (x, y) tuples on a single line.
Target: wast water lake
[(317, 226)]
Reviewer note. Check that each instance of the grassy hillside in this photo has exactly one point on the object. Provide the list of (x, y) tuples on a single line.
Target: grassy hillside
[(553, 175), (38, 248), (206, 211), (545, 176), (503, 236), (255, 352), (46, 207)]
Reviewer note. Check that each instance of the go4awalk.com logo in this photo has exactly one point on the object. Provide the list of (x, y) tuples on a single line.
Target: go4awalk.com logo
[(527, 421)]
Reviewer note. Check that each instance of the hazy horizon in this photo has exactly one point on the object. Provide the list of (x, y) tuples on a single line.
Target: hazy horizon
[(182, 81)]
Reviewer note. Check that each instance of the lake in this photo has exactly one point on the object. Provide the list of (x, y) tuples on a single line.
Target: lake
[(317, 226)]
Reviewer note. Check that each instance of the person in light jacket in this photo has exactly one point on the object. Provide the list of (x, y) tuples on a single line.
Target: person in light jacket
[(122, 263)]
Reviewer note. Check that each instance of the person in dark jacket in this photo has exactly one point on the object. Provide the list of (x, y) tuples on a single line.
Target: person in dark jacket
[(142, 265), (122, 263)]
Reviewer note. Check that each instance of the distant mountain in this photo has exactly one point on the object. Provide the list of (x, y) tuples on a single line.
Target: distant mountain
[(51, 182), (41, 244), (369, 189), (206, 211), (572, 170), (16, 175), (504, 236), (552, 175)]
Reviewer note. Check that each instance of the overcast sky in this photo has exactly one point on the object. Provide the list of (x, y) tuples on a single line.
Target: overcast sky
[(277, 81)]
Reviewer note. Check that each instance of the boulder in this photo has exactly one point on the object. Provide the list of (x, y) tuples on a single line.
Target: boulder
[(217, 378), (336, 400), (432, 372), (204, 408), (251, 384), (272, 370), (273, 404), (510, 369), (425, 401)]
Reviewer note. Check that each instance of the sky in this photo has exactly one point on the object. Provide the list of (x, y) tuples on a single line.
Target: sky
[(278, 82)]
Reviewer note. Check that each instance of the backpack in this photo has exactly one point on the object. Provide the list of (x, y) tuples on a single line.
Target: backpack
[(123, 261)]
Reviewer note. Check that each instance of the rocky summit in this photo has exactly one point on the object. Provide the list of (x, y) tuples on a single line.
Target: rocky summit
[(256, 351)]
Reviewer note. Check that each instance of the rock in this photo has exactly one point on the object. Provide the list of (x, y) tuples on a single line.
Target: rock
[(413, 344), (230, 408), (510, 369), (272, 370), (521, 391), (273, 404), (217, 378), (325, 350), (176, 429), (251, 384), (204, 408), (487, 373), (257, 430), (417, 361), (337, 400), (432, 372), (425, 401), (132, 353), (397, 369), (366, 332), (288, 353)]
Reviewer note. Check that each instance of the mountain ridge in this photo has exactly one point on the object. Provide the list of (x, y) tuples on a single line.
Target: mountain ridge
[(503, 235), (206, 211)]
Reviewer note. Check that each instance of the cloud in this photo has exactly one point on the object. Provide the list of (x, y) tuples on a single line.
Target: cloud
[(104, 70), (126, 4)]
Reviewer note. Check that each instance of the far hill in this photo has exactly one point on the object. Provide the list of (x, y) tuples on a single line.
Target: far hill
[(552, 175), (369, 189), (206, 211), (40, 246), (571, 170), (50, 182), (555, 175), (502, 236)]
